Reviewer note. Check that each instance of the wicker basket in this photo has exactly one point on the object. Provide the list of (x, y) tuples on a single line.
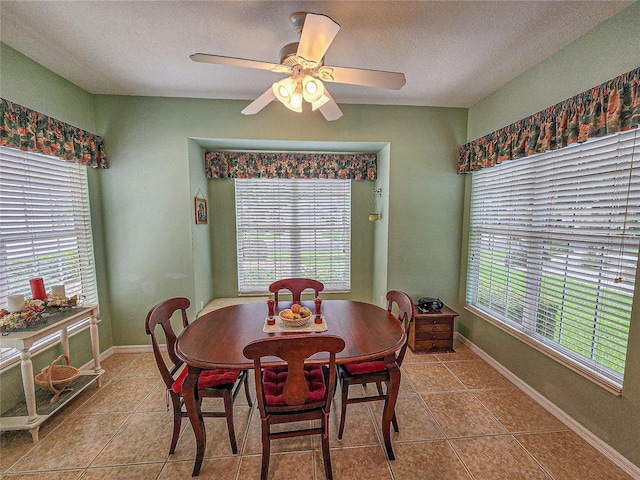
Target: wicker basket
[(295, 322), (56, 377)]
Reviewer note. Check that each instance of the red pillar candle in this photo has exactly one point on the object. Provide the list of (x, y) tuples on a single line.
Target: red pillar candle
[(37, 289)]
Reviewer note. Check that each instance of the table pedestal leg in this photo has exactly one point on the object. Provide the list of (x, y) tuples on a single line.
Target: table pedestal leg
[(390, 403), (192, 404), (26, 366), (95, 347)]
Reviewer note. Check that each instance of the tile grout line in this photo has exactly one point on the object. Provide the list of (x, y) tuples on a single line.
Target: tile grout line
[(457, 454), (241, 450), (142, 402), (440, 427), (533, 457)]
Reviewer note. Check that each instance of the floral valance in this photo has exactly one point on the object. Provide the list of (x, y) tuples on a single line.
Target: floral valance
[(26, 129), (608, 108), (290, 165)]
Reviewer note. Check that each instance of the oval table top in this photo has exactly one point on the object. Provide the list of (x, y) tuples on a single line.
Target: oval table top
[(216, 339)]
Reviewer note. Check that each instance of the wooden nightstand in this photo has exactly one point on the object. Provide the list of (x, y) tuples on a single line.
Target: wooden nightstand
[(432, 332)]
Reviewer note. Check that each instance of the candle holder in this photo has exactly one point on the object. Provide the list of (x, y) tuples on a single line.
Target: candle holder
[(318, 302), (271, 320)]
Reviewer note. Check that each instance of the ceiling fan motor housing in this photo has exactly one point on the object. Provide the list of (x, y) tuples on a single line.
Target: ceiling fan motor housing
[(297, 21), (288, 54)]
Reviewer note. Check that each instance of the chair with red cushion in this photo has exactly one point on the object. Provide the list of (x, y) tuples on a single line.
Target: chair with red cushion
[(296, 286), (375, 371), (295, 392), (219, 383)]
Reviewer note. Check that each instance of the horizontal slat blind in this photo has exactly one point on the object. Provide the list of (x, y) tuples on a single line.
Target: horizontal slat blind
[(293, 228), (553, 248), (45, 225)]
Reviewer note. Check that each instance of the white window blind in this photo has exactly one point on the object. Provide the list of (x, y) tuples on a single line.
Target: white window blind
[(45, 226), (293, 228), (553, 249)]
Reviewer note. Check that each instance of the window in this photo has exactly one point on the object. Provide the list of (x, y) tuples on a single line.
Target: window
[(293, 228), (553, 250), (45, 228)]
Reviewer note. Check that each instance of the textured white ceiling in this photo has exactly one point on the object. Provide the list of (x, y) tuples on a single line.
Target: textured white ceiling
[(453, 53)]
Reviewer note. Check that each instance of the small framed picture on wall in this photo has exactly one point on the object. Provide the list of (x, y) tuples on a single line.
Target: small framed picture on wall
[(202, 215)]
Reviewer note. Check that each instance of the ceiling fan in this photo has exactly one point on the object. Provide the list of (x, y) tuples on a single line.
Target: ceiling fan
[(303, 63)]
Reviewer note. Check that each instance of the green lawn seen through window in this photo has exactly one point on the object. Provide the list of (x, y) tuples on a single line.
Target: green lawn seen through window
[(582, 317)]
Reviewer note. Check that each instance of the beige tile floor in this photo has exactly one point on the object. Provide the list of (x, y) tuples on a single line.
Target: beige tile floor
[(459, 419)]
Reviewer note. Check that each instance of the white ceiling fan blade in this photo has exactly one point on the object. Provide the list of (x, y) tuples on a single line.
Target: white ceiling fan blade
[(360, 76), (259, 103), (330, 110), (317, 34), (239, 62)]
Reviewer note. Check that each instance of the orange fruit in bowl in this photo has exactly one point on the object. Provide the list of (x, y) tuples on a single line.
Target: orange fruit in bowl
[(295, 308)]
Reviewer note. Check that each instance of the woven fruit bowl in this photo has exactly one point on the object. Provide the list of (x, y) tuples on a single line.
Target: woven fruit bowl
[(56, 378), (295, 316)]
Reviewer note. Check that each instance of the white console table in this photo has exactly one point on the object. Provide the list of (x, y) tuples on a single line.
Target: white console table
[(23, 341)]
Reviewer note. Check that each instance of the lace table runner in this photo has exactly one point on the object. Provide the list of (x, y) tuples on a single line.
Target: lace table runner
[(310, 326)]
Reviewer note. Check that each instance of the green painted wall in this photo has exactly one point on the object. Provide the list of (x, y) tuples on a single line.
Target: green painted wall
[(201, 234), (27, 83), (155, 251), (607, 51), (148, 208), (381, 229)]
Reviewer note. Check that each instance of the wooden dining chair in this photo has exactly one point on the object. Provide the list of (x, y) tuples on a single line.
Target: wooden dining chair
[(296, 286), (375, 371), (220, 383), (295, 392)]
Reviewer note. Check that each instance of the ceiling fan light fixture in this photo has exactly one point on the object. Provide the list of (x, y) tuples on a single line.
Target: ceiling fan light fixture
[(284, 89), (312, 89), (296, 102)]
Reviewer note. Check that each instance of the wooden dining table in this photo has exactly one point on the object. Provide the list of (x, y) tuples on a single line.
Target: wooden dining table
[(216, 340)]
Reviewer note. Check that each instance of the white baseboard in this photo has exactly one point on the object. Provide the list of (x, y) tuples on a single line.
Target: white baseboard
[(601, 446), (123, 349), (133, 349)]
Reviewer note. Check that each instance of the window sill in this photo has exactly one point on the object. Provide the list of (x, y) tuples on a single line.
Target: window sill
[(561, 359)]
